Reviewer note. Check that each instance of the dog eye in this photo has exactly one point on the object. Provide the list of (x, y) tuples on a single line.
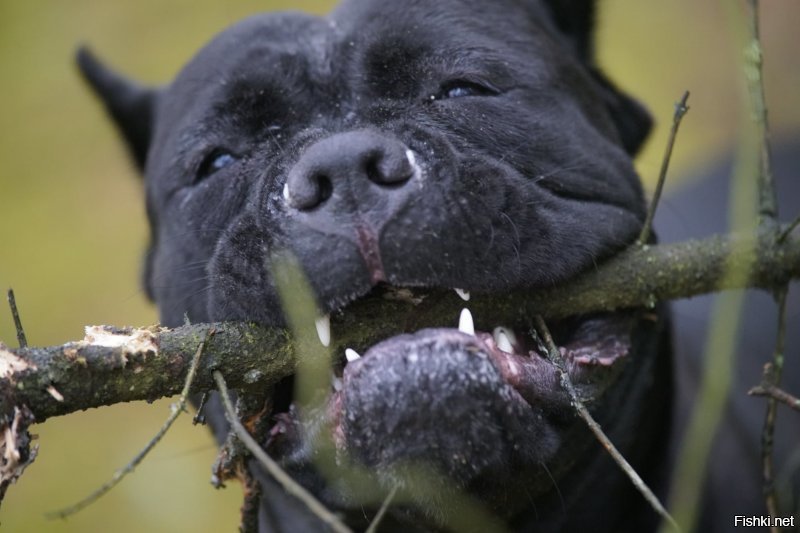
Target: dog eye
[(463, 88), (216, 160)]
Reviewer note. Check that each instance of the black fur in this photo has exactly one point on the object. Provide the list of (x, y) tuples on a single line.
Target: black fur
[(292, 133)]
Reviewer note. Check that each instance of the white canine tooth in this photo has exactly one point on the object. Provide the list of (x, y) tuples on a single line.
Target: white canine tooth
[(465, 323), (286, 191), (463, 294), (502, 340), (351, 355), (323, 324)]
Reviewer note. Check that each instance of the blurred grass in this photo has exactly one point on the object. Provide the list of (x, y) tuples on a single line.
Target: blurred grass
[(72, 227)]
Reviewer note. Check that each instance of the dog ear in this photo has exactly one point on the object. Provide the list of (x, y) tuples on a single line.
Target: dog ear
[(575, 20), (632, 120), (129, 104)]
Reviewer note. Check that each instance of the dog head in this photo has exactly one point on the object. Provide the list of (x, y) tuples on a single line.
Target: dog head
[(419, 147), (416, 145)]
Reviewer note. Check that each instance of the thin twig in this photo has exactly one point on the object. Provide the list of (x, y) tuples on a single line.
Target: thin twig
[(717, 376), (554, 356), (252, 501), (777, 394), (12, 303), (373, 526), (754, 60), (199, 417), (177, 409), (768, 213), (680, 110), (772, 377), (788, 231), (289, 484)]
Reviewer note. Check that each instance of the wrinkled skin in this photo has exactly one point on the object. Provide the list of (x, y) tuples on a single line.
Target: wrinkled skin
[(424, 145)]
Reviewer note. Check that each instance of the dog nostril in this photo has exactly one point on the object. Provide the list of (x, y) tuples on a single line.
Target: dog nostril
[(324, 189), (372, 170), (388, 168), (306, 190)]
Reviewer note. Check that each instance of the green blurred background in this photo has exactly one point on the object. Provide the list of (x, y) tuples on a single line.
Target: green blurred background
[(72, 225)]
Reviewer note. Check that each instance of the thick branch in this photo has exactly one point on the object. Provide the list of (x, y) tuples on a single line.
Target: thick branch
[(682, 270), (119, 365), (113, 365)]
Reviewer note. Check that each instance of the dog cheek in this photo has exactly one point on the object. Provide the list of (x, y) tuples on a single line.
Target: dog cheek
[(239, 281)]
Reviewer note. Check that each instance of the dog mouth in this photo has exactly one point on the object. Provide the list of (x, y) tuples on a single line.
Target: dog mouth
[(588, 345), (597, 340), (470, 378)]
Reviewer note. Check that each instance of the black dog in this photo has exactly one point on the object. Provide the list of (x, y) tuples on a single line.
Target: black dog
[(456, 144)]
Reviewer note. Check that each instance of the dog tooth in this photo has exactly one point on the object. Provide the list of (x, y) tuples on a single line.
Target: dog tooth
[(502, 340), (323, 324), (465, 323), (286, 191), (463, 294), (351, 355)]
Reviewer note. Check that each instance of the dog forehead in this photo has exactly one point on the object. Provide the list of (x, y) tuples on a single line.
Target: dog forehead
[(321, 44), (257, 43), (454, 23), (359, 11), (290, 52), (277, 49)]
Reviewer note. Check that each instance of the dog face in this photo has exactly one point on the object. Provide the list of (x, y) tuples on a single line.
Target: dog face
[(423, 145)]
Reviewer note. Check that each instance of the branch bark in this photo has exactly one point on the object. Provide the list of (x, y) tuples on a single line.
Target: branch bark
[(114, 365)]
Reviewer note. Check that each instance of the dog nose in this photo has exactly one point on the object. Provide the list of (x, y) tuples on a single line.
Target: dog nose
[(343, 158)]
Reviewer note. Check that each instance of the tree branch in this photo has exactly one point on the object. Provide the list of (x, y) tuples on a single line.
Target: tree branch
[(113, 365), (177, 409)]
